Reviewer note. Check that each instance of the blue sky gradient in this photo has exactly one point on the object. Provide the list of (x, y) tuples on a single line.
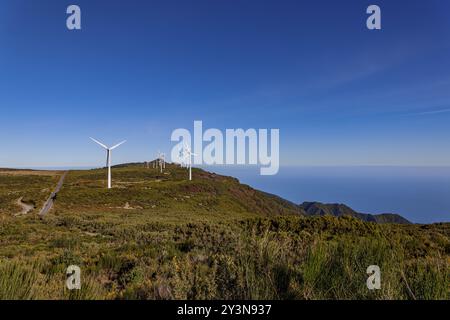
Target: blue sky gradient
[(339, 93)]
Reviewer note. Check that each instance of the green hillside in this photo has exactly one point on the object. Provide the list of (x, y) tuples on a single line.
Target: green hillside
[(159, 236), (168, 195), (338, 210)]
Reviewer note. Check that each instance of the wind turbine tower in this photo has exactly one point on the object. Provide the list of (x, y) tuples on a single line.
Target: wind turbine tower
[(160, 161), (187, 152), (108, 157)]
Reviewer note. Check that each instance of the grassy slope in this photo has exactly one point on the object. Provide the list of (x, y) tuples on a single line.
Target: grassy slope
[(158, 236), (168, 196), (32, 186)]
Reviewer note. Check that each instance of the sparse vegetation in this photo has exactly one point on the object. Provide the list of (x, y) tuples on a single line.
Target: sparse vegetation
[(212, 238), (32, 187)]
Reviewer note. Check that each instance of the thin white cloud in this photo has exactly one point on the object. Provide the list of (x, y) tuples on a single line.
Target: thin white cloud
[(432, 112)]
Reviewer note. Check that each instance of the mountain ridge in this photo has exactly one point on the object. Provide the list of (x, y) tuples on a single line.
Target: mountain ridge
[(280, 205), (139, 186), (339, 209)]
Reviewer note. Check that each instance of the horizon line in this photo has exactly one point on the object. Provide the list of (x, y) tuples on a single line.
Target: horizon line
[(87, 167)]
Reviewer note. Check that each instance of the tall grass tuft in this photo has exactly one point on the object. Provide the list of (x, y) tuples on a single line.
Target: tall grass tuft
[(18, 280)]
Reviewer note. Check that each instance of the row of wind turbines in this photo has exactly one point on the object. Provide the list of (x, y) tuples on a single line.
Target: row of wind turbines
[(159, 162), (185, 155)]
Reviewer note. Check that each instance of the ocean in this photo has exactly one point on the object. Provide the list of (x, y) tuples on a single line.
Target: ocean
[(420, 194)]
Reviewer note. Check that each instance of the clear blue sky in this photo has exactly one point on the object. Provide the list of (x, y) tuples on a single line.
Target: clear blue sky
[(340, 94)]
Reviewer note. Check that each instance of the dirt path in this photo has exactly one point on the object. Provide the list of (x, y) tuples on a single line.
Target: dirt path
[(49, 203), (25, 207)]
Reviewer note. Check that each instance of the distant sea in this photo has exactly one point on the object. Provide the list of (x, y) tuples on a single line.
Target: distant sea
[(420, 194)]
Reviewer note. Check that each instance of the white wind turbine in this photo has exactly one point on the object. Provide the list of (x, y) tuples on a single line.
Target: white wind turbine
[(188, 154), (161, 161), (182, 156), (108, 157)]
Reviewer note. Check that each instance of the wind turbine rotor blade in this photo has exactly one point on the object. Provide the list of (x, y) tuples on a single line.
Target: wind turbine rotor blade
[(98, 142), (113, 147)]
